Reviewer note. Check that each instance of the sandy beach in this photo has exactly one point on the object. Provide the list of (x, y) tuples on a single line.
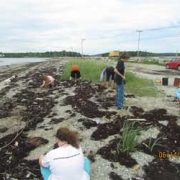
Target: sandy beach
[(30, 116)]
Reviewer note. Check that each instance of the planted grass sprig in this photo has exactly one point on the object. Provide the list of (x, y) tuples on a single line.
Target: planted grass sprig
[(152, 143), (128, 141)]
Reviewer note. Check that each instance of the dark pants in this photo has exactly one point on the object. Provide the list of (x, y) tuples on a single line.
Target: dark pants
[(75, 74), (109, 73)]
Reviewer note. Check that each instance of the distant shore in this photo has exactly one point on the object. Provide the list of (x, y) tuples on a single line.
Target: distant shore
[(15, 61)]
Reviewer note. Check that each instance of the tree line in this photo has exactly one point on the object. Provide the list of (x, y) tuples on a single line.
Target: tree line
[(76, 54), (141, 53), (41, 54)]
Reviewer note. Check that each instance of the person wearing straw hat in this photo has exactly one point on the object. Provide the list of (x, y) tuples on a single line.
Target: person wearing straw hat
[(120, 80)]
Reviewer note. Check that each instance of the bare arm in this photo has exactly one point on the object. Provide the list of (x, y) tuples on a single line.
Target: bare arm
[(43, 84), (118, 73), (40, 160)]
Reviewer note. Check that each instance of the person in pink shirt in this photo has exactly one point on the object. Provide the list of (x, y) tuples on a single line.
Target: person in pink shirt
[(48, 81)]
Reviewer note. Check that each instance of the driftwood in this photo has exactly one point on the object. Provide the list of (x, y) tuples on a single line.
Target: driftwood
[(136, 119), (12, 139)]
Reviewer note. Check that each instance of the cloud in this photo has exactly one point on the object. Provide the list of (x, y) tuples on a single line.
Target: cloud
[(60, 24)]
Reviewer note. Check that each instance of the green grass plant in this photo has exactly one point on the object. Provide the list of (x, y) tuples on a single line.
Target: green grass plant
[(128, 141), (140, 86), (152, 143), (90, 69)]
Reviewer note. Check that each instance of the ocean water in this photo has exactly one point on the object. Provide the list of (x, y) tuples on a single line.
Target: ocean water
[(10, 61)]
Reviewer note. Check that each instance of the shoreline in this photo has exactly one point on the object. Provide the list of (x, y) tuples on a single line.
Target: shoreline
[(16, 61), (7, 71)]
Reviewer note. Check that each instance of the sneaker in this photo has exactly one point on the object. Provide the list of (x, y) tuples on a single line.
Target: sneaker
[(124, 107)]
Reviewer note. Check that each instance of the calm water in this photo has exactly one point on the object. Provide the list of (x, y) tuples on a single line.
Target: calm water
[(9, 61)]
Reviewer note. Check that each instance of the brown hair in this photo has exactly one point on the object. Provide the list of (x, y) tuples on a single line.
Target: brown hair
[(44, 77), (124, 56), (71, 137)]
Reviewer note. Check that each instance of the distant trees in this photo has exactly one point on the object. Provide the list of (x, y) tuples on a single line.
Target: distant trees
[(142, 53), (75, 54), (43, 54)]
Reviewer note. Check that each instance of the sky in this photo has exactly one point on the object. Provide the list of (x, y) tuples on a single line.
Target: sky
[(96, 25)]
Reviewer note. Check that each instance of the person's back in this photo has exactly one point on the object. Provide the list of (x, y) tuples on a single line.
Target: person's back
[(50, 78), (110, 70), (67, 160), (66, 163), (75, 72), (48, 81)]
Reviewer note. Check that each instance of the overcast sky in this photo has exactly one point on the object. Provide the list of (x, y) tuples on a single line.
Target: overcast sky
[(55, 25)]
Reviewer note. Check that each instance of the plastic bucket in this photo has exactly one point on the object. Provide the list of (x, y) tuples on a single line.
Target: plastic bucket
[(165, 81), (176, 82)]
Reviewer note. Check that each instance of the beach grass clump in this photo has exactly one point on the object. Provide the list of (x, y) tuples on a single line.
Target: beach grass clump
[(140, 86), (90, 69), (129, 138)]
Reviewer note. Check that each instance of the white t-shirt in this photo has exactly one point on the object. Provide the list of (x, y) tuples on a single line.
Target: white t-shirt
[(102, 75), (65, 163)]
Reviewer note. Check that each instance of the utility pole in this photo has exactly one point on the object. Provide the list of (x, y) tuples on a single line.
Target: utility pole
[(176, 53), (139, 36), (82, 40)]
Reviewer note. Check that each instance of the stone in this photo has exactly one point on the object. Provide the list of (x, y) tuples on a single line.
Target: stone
[(24, 100), (3, 129)]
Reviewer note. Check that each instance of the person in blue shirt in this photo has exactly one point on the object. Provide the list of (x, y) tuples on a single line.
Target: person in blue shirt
[(178, 94)]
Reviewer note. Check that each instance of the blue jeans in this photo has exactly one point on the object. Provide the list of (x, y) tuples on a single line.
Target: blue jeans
[(120, 95), (46, 171)]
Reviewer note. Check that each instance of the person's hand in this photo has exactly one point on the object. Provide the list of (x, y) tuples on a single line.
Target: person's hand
[(43, 84), (124, 78), (40, 159), (41, 156)]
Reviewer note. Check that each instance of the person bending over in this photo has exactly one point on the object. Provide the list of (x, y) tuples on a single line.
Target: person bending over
[(66, 162), (75, 73), (110, 77), (48, 81), (107, 77)]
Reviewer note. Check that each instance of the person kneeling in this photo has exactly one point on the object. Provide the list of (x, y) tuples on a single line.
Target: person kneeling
[(66, 162), (75, 72), (48, 81)]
